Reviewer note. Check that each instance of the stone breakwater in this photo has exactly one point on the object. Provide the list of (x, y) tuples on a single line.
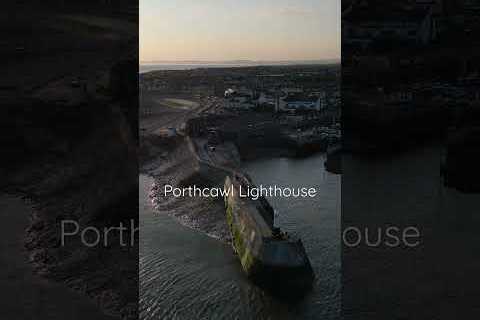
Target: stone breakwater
[(268, 256), (179, 166)]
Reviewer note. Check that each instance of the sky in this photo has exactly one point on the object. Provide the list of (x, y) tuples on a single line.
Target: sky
[(225, 30)]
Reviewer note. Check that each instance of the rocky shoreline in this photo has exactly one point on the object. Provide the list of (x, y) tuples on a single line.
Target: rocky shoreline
[(176, 164), (70, 171)]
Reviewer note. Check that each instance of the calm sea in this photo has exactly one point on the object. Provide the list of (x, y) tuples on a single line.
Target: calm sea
[(185, 274)]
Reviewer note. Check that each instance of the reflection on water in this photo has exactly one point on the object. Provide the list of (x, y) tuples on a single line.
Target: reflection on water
[(186, 275)]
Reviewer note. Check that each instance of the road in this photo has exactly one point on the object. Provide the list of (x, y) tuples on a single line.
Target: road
[(159, 113)]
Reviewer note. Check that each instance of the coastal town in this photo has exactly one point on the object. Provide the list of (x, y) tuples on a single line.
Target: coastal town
[(401, 70), (283, 110)]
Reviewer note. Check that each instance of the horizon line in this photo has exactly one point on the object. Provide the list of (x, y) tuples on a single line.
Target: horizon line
[(243, 61)]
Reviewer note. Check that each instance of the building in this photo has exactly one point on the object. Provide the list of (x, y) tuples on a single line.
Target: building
[(300, 102), (239, 99)]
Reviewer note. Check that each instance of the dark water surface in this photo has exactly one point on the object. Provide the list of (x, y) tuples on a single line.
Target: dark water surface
[(184, 274), (437, 279)]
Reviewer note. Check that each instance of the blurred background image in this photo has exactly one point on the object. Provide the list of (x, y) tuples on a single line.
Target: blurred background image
[(69, 137)]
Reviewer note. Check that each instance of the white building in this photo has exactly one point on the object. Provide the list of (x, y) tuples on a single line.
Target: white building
[(300, 102)]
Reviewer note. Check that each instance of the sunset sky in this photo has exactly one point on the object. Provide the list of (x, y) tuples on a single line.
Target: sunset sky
[(220, 30)]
